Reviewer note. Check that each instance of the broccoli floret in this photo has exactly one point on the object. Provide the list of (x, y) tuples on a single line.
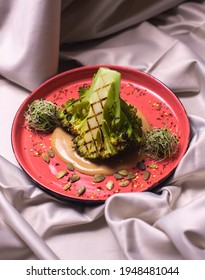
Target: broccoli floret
[(102, 123)]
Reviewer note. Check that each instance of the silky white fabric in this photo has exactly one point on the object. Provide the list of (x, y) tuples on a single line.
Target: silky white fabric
[(29, 38), (164, 38)]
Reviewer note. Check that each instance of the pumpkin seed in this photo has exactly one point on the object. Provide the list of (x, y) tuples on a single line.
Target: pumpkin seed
[(81, 190), (124, 183), (74, 178), (110, 185), (70, 167), (146, 175), (61, 174), (51, 153), (98, 178), (67, 186), (131, 176), (123, 172), (46, 157), (118, 176), (141, 166)]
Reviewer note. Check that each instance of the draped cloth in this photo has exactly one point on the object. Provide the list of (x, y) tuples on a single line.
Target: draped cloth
[(164, 38)]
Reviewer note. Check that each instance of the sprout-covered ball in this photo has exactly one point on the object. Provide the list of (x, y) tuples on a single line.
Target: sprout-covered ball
[(160, 143), (42, 115)]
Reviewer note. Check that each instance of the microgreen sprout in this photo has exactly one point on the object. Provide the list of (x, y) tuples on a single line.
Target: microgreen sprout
[(42, 115), (160, 143)]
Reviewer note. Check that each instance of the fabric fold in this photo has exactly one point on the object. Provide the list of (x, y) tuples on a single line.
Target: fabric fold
[(107, 17), (15, 221), (29, 41)]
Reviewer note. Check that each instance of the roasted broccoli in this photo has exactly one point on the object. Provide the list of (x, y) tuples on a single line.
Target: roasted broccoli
[(102, 123)]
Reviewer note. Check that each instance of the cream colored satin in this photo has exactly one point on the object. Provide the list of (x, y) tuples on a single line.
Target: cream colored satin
[(163, 38)]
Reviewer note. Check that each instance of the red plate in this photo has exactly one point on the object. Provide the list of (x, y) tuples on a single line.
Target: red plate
[(158, 104)]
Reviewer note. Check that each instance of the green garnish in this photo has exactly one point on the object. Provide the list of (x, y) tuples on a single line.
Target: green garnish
[(160, 143), (42, 115), (82, 89)]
